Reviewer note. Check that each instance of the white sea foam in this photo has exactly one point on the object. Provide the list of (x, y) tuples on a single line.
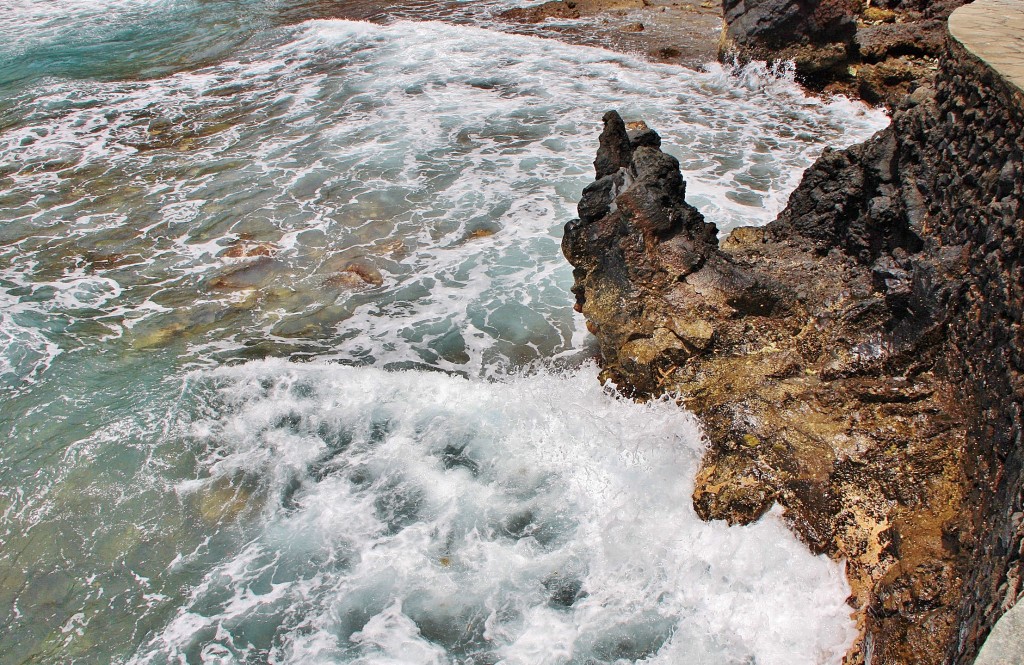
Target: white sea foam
[(419, 517), (25, 23), (447, 158), (388, 195), (25, 349)]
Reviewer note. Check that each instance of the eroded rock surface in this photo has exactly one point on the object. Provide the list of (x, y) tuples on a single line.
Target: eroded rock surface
[(676, 31), (783, 341), (858, 360), (817, 35), (879, 51)]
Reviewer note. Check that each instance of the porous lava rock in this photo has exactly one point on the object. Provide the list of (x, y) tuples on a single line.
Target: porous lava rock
[(859, 361), (783, 341), (817, 35), (878, 51)]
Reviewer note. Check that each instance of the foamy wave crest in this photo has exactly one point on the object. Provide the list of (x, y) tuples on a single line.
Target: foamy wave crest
[(420, 517)]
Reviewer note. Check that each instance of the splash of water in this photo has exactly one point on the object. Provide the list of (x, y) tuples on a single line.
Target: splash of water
[(222, 188), (419, 517)]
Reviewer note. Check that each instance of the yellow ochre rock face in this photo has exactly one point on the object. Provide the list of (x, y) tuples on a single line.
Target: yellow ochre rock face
[(808, 397)]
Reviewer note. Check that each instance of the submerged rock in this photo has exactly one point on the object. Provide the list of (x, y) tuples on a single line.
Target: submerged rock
[(255, 274), (355, 274)]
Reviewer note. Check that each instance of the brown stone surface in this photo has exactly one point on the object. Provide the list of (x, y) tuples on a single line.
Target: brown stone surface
[(855, 48), (683, 32), (859, 361), (809, 398), (679, 31)]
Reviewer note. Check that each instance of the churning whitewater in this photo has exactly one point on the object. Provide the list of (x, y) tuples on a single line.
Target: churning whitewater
[(423, 518), (288, 366)]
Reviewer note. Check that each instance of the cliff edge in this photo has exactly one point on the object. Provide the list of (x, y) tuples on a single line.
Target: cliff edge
[(858, 360)]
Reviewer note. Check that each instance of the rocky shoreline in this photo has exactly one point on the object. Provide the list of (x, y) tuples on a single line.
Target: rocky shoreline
[(685, 32), (857, 361), (878, 52)]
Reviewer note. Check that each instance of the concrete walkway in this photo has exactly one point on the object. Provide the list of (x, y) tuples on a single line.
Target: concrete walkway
[(993, 30), (1005, 644)]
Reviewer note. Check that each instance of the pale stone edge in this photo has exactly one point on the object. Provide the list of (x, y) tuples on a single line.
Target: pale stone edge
[(993, 31)]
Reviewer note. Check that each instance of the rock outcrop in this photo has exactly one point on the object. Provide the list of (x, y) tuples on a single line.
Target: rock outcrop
[(879, 51), (816, 34), (857, 361), (677, 31)]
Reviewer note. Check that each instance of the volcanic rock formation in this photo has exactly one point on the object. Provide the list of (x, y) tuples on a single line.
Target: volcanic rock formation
[(857, 361), (879, 50)]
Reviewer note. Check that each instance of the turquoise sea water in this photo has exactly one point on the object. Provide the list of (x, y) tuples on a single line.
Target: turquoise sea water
[(288, 367)]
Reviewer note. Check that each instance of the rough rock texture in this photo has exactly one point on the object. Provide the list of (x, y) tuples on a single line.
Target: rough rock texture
[(976, 200), (567, 9), (816, 34), (878, 51), (677, 31), (857, 361)]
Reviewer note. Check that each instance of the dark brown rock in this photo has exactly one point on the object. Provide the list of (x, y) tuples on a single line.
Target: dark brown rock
[(818, 35), (878, 51), (889, 81), (859, 361), (775, 24), (892, 40), (677, 31), (567, 9), (614, 152)]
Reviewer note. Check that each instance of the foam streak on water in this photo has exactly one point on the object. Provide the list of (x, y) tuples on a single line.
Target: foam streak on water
[(440, 161)]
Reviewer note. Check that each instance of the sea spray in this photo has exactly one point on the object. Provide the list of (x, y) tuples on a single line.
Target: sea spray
[(415, 516), (439, 160)]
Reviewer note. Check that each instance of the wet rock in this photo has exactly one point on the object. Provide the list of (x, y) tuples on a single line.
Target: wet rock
[(567, 9), (243, 249), (614, 151), (855, 361), (876, 50), (223, 500), (778, 23), (481, 232), (818, 35), (889, 81), (564, 590), (149, 339), (666, 53), (636, 228), (549, 10), (889, 40), (107, 261), (355, 274)]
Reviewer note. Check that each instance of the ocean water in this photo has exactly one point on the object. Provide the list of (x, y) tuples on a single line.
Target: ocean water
[(288, 366)]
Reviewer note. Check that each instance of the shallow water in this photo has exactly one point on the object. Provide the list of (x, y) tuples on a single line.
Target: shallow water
[(187, 185)]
